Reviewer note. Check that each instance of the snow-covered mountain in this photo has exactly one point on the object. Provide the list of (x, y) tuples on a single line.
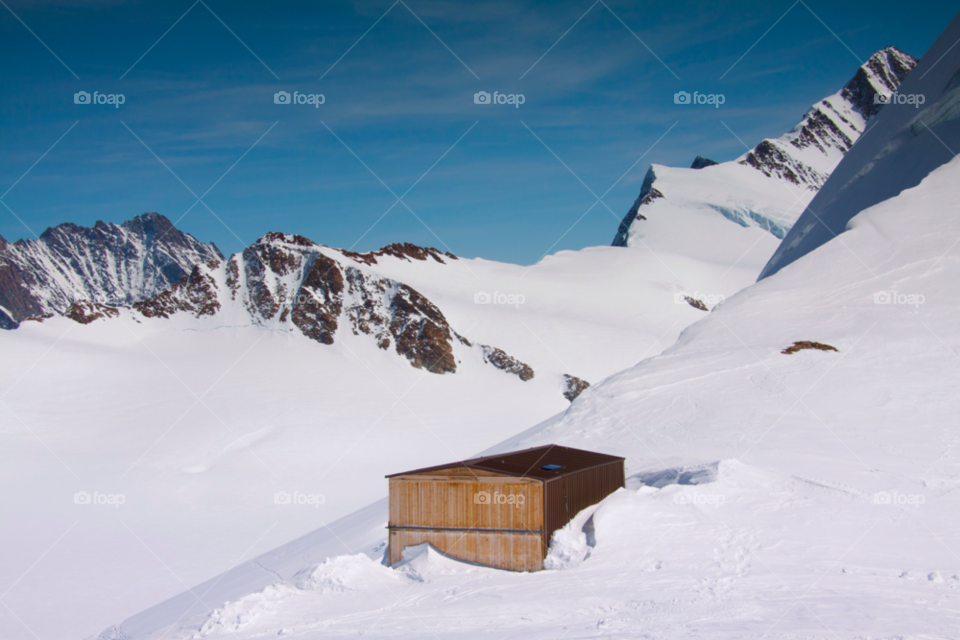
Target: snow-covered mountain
[(292, 367), (792, 467), (112, 264), (922, 127), (768, 186), (285, 282)]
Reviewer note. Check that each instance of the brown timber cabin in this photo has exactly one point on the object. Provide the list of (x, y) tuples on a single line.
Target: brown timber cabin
[(498, 510)]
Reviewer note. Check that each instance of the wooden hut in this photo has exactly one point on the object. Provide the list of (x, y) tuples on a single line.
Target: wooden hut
[(498, 510)]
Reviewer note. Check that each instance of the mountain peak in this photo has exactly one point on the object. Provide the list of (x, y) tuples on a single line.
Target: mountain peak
[(108, 263), (700, 162), (881, 74), (905, 145), (782, 174)]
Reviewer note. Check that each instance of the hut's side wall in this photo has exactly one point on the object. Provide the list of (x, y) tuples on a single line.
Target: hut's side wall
[(513, 551), (491, 520), (570, 494)]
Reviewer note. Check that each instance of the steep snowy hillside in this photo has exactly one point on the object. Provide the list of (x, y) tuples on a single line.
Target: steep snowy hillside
[(799, 493), (920, 123), (107, 263), (767, 187)]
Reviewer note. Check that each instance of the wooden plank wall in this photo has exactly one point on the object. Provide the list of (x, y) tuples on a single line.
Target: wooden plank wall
[(512, 551), (450, 502), (503, 529), (566, 496)]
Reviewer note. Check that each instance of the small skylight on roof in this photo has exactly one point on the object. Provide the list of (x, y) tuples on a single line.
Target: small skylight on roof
[(552, 467)]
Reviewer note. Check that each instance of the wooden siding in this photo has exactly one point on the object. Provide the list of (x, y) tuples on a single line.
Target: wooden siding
[(570, 494), (504, 529), (450, 502), (513, 551), (439, 506)]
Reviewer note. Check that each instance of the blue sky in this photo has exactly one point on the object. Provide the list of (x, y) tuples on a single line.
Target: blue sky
[(200, 139)]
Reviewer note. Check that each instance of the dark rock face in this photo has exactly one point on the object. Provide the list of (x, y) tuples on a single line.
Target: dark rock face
[(195, 294), (647, 195), (16, 301), (421, 332), (769, 159), (319, 301), (404, 251), (885, 70), (574, 386), (107, 263), (85, 311), (700, 162), (394, 313), (505, 362), (821, 131)]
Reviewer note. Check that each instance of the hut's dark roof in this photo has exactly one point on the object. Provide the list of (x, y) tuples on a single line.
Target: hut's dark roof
[(530, 462)]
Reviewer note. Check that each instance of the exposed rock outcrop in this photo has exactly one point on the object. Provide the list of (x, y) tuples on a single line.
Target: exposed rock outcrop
[(505, 362), (806, 344), (404, 251), (85, 311), (573, 386)]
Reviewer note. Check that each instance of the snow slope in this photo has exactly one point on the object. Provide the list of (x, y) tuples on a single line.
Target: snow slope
[(812, 494), (909, 140), (198, 421), (767, 187)]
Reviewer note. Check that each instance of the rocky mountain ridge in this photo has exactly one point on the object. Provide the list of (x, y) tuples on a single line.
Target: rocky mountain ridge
[(288, 282), (111, 264), (786, 171)]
